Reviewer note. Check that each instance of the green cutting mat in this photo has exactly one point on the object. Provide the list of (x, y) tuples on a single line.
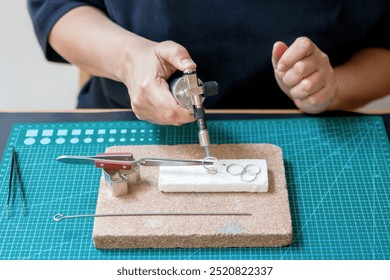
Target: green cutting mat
[(338, 177)]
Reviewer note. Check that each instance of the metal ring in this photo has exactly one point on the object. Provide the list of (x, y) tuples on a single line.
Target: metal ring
[(232, 169), (250, 173), (250, 168), (213, 168)]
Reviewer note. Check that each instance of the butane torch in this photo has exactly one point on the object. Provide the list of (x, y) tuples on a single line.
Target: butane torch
[(190, 92)]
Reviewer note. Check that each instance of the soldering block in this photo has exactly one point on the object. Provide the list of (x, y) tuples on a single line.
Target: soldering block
[(232, 175), (268, 226)]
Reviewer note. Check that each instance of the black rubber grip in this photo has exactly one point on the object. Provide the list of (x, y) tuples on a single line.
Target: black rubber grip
[(210, 88), (199, 113)]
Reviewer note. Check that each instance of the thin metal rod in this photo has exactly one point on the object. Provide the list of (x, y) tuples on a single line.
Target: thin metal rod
[(60, 217), (171, 162)]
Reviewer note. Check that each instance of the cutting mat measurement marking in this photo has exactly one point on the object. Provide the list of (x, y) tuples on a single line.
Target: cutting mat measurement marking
[(337, 173), (89, 136)]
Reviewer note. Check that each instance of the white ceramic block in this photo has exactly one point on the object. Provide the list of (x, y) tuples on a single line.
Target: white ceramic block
[(197, 179)]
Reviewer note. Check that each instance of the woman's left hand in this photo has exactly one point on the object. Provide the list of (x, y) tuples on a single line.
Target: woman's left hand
[(304, 73)]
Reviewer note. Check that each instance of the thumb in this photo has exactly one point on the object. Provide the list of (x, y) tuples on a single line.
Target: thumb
[(176, 56), (277, 51)]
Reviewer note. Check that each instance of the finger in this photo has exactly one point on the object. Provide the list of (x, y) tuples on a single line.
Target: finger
[(168, 110), (175, 55), (308, 86), (315, 103), (302, 47), (299, 71), (162, 115), (277, 51), (153, 102)]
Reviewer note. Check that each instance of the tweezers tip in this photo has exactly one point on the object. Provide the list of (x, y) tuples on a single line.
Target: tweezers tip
[(6, 212)]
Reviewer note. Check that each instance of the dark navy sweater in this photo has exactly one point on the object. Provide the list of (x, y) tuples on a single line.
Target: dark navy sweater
[(230, 40)]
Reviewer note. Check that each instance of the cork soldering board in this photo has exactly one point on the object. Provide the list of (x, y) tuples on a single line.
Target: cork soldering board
[(268, 226)]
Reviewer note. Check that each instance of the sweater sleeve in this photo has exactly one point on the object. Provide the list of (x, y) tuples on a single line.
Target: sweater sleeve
[(45, 13), (378, 36)]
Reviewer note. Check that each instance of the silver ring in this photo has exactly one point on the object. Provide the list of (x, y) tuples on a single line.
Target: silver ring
[(252, 176), (211, 169), (234, 169), (252, 168)]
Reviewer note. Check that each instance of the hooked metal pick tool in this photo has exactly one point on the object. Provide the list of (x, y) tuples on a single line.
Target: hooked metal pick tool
[(60, 217)]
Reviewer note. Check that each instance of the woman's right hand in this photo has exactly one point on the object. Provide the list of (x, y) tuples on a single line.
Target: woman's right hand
[(145, 73)]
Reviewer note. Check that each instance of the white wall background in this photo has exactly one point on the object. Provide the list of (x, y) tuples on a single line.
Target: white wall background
[(28, 81)]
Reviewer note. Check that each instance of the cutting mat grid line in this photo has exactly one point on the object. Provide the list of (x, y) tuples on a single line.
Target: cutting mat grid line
[(337, 171)]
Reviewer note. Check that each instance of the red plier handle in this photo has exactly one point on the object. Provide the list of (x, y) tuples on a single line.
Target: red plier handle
[(114, 161)]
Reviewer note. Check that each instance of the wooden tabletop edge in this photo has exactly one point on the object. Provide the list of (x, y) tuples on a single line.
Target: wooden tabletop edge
[(211, 111)]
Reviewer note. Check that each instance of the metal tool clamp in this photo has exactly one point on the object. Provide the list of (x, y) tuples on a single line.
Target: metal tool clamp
[(190, 92), (122, 180)]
